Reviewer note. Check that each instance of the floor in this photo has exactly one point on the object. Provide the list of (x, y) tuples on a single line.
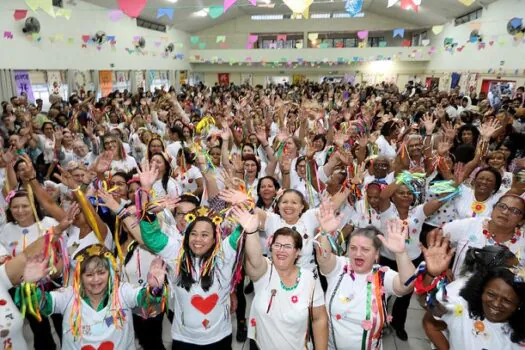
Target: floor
[(416, 341)]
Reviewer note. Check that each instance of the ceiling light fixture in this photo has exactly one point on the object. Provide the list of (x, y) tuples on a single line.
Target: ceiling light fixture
[(172, 1)]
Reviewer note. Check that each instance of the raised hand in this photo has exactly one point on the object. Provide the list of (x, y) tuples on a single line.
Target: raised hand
[(36, 268), (396, 236), (103, 162), (285, 164), (238, 164), (109, 201), (157, 273), (428, 123), (148, 176), (443, 148), (68, 220), (488, 129), (248, 221), (438, 254), (233, 196), (328, 221), (66, 178), (89, 129), (29, 173), (260, 133), (164, 203), (450, 132)]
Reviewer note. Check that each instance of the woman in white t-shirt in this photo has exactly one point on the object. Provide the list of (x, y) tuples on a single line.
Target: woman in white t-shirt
[(165, 184), (358, 288), (502, 228), (489, 313), (413, 218), (120, 161), (96, 308), (186, 174), (287, 296)]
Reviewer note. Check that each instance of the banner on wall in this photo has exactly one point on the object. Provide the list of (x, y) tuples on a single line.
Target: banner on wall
[(224, 79), (105, 78), (54, 81), (121, 76), (139, 79), (298, 78), (247, 79), (23, 84)]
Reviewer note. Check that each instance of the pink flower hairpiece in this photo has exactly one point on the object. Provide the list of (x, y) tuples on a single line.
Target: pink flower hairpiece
[(10, 196)]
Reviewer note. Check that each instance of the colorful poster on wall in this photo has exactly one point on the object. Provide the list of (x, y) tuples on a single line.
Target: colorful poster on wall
[(224, 79), (23, 84), (247, 79), (139, 79), (121, 76), (105, 78), (54, 81)]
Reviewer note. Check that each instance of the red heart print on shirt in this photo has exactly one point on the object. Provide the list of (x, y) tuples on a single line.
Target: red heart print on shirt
[(107, 345), (204, 305)]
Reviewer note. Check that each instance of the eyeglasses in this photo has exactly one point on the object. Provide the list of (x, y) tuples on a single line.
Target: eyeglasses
[(107, 143), (183, 213), (118, 183), (279, 246), (504, 207)]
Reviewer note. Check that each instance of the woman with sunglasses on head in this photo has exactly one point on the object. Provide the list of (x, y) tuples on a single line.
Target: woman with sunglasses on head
[(287, 296), (502, 228)]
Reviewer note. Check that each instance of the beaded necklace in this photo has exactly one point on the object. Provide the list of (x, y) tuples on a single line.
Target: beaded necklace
[(491, 237), (283, 286)]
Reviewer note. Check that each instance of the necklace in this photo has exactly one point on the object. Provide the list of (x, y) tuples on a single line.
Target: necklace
[(491, 237), (283, 286)]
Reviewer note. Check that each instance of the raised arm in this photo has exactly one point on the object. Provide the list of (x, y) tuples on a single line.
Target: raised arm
[(329, 224), (255, 265)]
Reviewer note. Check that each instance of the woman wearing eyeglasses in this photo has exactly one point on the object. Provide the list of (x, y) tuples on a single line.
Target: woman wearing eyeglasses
[(287, 296), (120, 161), (502, 228)]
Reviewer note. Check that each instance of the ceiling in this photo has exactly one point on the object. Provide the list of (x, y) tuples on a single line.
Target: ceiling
[(431, 12)]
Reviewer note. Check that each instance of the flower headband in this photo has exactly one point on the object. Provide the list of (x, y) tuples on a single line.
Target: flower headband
[(203, 212)]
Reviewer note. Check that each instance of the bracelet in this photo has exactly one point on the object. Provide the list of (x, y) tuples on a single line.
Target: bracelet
[(287, 173), (251, 233), (31, 179)]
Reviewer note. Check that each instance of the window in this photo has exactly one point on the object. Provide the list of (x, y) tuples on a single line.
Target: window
[(42, 91), (352, 42), (320, 15), (374, 41), (469, 17), (267, 17), (159, 79)]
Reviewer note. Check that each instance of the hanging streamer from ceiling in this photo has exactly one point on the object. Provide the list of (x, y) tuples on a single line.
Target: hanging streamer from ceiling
[(299, 7), (229, 3), (354, 7)]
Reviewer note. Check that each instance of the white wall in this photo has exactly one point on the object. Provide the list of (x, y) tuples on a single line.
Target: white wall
[(493, 23), (87, 19)]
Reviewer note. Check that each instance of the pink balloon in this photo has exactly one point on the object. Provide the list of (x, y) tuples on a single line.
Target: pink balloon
[(132, 8)]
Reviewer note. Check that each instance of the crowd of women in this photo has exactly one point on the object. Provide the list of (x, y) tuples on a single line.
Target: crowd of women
[(336, 202)]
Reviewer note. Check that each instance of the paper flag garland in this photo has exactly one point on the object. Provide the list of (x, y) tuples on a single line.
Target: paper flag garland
[(354, 7), (399, 32), (216, 11), (165, 12), (281, 37), (194, 39), (406, 43), (425, 42), (20, 14), (132, 8), (392, 3), (363, 34), (437, 29), (220, 39), (229, 3), (252, 38), (299, 6), (410, 4), (202, 46), (313, 36), (8, 35), (467, 2)]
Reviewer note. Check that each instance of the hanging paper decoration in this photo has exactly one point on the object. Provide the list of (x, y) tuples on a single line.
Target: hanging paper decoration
[(467, 2), (165, 12), (229, 3), (194, 39), (399, 32), (363, 34), (410, 4), (437, 29), (20, 14), (45, 5), (392, 3), (115, 15), (132, 8), (354, 7), (215, 11), (66, 13), (299, 7)]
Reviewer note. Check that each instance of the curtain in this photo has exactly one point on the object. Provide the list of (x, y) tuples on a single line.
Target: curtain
[(172, 78), (133, 82), (70, 81), (7, 84), (96, 82)]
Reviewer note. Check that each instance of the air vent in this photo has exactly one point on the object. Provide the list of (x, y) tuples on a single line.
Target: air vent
[(151, 25)]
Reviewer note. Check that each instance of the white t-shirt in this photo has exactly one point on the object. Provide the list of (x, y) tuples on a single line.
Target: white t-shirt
[(188, 181), (137, 268), (415, 220), (465, 201), (385, 148), (468, 233), (15, 238), (306, 226), (174, 189), (47, 146), (202, 317), (446, 213), (285, 324), (468, 333), (11, 321), (389, 178), (97, 326), (125, 165), (347, 305), (76, 244), (361, 217), (302, 186), (173, 149)]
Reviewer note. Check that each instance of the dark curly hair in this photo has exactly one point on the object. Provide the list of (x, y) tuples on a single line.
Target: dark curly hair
[(473, 290)]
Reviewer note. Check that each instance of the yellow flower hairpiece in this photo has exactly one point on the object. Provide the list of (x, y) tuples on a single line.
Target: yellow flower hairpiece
[(217, 220), (189, 217)]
